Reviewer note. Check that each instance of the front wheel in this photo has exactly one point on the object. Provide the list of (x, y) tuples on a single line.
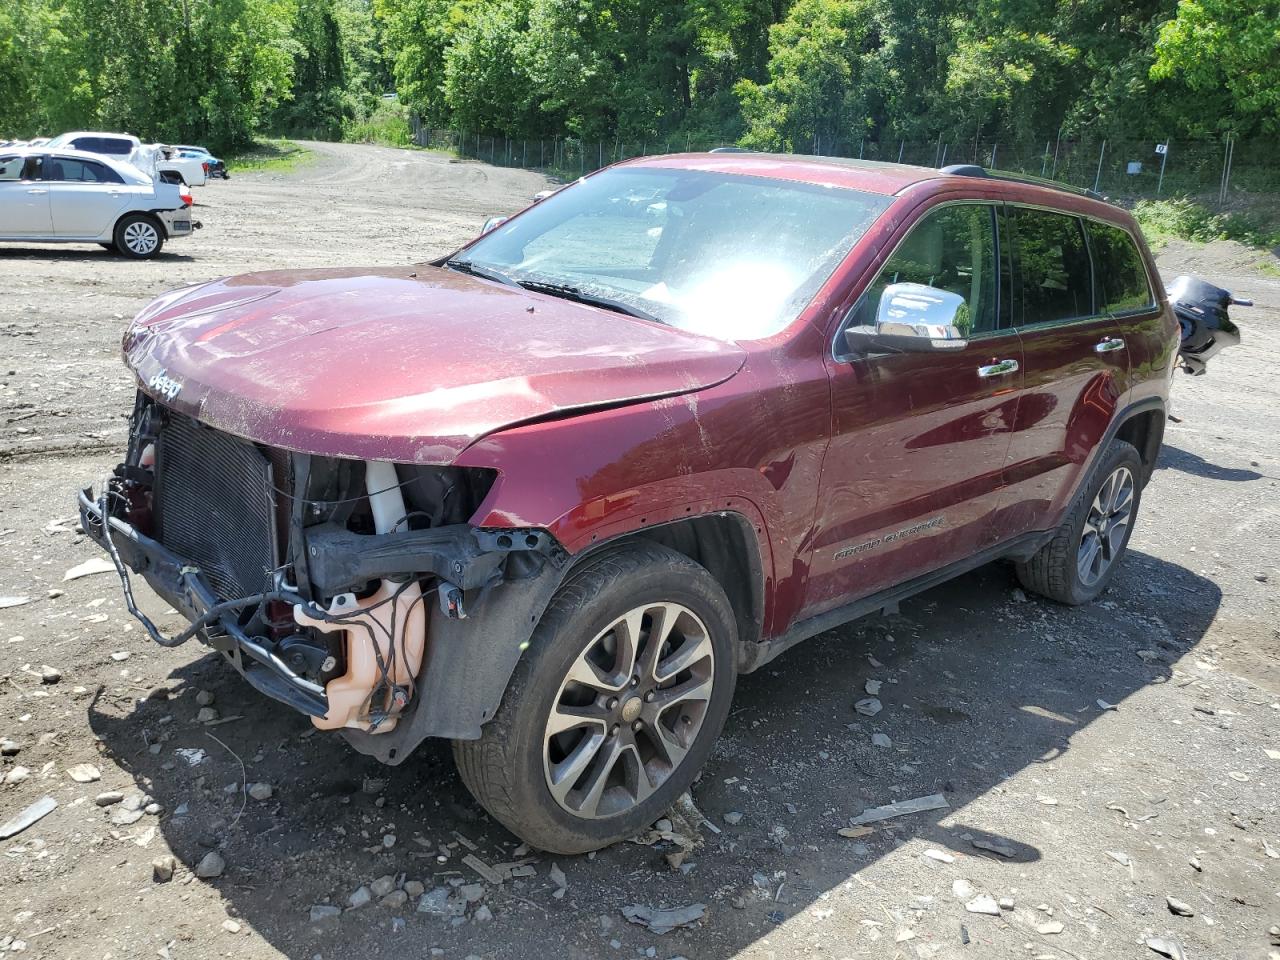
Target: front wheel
[(615, 706), (139, 236), (1079, 562)]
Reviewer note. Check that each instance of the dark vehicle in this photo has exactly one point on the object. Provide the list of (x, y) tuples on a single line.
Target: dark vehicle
[(550, 496), (213, 167), (1201, 309)]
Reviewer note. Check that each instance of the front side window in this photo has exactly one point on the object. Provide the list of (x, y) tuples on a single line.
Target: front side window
[(1122, 277), (954, 249), (1054, 277), (733, 257)]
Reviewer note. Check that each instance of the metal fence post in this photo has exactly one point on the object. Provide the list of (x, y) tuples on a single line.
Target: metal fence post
[(1097, 180), (1044, 161), (1164, 158), (902, 145)]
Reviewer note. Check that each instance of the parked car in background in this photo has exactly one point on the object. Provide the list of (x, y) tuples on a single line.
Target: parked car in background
[(214, 167), (71, 196), (118, 145), (679, 416), (161, 160)]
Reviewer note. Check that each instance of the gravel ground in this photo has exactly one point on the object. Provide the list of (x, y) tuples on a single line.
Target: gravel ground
[(1109, 757)]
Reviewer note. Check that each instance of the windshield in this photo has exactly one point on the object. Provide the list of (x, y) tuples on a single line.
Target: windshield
[(727, 256)]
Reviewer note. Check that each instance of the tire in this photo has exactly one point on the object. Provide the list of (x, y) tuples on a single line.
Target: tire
[(139, 236), (1059, 570), (510, 769)]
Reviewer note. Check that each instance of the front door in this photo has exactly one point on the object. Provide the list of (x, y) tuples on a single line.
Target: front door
[(913, 473), (1075, 372), (85, 196), (24, 200)]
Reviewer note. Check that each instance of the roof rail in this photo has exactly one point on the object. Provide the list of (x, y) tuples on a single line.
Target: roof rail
[(973, 170)]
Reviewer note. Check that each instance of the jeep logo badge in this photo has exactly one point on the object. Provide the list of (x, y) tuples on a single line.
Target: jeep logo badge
[(164, 385)]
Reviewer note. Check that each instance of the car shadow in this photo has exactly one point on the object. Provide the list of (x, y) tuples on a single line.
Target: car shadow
[(1172, 458), (73, 253), (978, 684)]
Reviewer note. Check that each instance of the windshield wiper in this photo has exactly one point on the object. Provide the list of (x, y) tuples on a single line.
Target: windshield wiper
[(570, 292), (469, 266)]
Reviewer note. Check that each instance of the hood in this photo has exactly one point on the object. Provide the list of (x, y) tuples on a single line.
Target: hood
[(410, 364)]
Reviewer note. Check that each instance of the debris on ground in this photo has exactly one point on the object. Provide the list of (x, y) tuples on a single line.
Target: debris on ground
[(162, 869), (660, 921), (872, 687), (881, 740), (901, 808), (261, 791), (853, 833), (479, 866), (868, 706), (210, 866), (37, 811), (983, 904), (84, 773), (733, 818), (89, 568), (1050, 927), (995, 846), (940, 856), (6, 602), (1178, 908), (1166, 948)]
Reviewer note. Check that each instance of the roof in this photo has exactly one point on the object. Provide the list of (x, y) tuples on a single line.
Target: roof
[(869, 175), (872, 176), (119, 164)]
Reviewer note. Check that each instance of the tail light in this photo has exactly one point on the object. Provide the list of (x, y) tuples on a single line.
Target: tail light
[(188, 199)]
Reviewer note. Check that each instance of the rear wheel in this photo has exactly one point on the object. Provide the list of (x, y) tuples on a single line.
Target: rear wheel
[(614, 708), (139, 236), (1079, 562)]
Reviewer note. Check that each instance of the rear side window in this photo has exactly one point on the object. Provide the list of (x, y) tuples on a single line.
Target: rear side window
[(1054, 279), (1122, 276), (79, 171)]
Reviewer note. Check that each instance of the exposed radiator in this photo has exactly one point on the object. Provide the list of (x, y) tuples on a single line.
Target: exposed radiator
[(215, 506)]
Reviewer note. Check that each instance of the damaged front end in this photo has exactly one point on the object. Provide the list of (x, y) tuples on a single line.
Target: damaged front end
[(355, 591)]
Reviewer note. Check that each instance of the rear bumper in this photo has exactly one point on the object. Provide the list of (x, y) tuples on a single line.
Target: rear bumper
[(179, 223), (179, 583)]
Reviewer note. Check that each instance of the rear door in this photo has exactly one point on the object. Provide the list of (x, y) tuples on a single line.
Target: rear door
[(1123, 285), (85, 196), (913, 474), (24, 200), (1076, 367)]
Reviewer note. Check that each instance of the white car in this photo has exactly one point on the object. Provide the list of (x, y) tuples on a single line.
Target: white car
[(151, 159), (69, 196)]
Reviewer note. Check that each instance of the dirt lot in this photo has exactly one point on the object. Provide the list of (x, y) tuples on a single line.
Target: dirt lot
[(994, 700)]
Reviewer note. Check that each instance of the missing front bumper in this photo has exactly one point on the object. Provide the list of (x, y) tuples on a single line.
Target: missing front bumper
[(214, 621)]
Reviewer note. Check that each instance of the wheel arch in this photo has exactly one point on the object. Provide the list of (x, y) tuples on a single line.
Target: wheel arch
[(469, 663), (151, 215), (1143, 428)]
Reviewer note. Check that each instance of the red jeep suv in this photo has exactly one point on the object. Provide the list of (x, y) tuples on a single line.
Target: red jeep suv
[(549, 496)]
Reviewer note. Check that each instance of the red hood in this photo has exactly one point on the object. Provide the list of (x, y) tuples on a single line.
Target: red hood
[(410, 364)]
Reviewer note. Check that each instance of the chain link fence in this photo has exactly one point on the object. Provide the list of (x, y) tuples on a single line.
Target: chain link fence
[(1133, 169)]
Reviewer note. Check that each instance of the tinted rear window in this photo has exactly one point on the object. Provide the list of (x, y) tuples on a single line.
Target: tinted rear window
[(1121, 274), (112, 146), (1055, 279)]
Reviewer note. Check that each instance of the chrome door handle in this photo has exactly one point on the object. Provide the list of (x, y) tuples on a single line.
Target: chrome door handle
[(36, 191), (1108, 345), (999, 368)]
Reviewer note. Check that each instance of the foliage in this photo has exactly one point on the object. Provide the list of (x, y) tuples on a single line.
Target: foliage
[(808, 75), (388, 125), (1188, 219)]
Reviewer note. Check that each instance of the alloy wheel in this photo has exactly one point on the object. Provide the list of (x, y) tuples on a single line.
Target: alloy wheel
[(629, 710), (1105, 526), (141, 237)]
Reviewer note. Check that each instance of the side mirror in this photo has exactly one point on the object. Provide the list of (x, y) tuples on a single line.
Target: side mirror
[(913, 318), (492, 223)]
